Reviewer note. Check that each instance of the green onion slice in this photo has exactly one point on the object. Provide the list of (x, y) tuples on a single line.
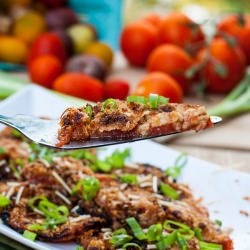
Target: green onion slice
[(2, 150), (163, 100), (37, 227), (129, 178), (182, 243), (29, 235), (210, 246), (137, 99), (154, 232), (167, 241), (4, 201), (218, 222), (131, 244), (136, 228), (153, 101), (109, 103), (198, 233), (89, 111), (120, 239), (169, 191), (171, 225), (79, 248)]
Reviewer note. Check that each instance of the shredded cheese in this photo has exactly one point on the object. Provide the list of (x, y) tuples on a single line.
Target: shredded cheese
[(133, 197), (145, 184), (122, 196), (19, 194), (155, 184), (13, 183), (151, 246), (10, 192), (38, 211), (74, 209), (2, 162), (132, 165), (123, 186), (64, 198), (79, 218), (106, 229), (107, 235), (61, 181)]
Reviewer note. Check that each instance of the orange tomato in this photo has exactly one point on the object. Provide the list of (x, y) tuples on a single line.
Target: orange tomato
[(172, 60), (153, 19), (137, 41), (45, 69), (225, 66), (161, 84), (180, 30), (79, 85), (237, 26)]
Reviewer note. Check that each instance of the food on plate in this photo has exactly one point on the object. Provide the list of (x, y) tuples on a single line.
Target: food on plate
[(236, 26), (176, 28), (172, 60), (137, 41), (161, 84), (75, 196), (79, 85), (222, 65), (45, 69), (133, 118)]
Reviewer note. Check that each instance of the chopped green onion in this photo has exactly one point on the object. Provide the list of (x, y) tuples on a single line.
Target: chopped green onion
[(136, 228), (120, 239), (131, 244), (163, 100), (89, 111), (117, 158), (129, 178), (16, 133), (179, 164), (120, 231), (169, 191), (154, 232), (29, 235), (177, 225), (79, 248), (153, 101), (182, 243), (209, 246), (90, 186), (109, 103), (218, 222), (2, 150), (198, 233), (4, 201), (137, 99), (167, 241), (103, 166), (37, 227)]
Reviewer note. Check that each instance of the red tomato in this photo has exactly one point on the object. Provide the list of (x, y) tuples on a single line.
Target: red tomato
[(47, 44), (79, 85), (225, 67), (137, 41), (237, 26), (45, 69), (161, 84), (172, 60), (116, 88), (180, 30), (153, 19)]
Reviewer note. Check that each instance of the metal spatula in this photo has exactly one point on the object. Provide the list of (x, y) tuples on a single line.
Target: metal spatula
[(44, 132)]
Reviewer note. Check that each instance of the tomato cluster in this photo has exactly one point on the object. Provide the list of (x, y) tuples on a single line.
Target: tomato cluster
[(177, 47)]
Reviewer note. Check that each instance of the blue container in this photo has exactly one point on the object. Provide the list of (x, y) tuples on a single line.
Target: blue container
[(105, 15)]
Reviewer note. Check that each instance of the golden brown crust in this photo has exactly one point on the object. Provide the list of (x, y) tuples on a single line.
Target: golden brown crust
[(128, 120)]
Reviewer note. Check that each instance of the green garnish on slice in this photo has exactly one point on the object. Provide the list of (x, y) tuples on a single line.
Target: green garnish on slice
[(154, 232), (136, 228), (4, 201), (209, 246), (169, 191), (29, 235), (131, 244), (2, 150), (129, 179), (111, 103)]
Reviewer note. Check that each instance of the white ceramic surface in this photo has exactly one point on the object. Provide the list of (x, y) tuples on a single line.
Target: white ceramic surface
[(222, 190)]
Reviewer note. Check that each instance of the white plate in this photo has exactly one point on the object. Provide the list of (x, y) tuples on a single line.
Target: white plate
[(222, 190)]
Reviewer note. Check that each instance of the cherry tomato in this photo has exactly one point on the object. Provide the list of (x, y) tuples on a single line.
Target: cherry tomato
[(116, 88), (237, 26), (224, 66), (161, 84), (137, 41), (79, 85), (47, 44), (153, 19), (178, 29), (45, 69), (172, 60)]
